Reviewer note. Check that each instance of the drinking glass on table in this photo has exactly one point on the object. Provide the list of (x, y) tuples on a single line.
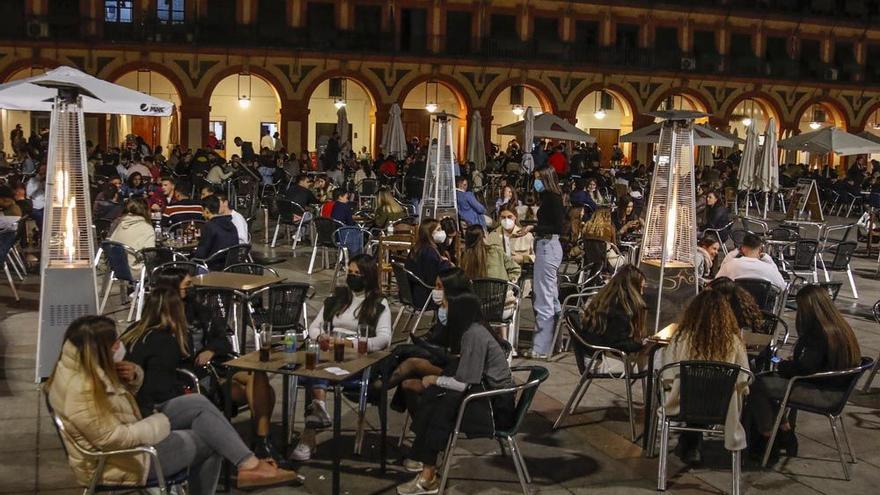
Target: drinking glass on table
[(339, 344), (363, 339), (326, 336)]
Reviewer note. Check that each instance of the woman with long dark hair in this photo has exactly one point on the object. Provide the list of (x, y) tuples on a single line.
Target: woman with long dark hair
[(425, 260), (548, 257), (826, 342), (615, 316), (483, 363), (91, 390), (356, 306)]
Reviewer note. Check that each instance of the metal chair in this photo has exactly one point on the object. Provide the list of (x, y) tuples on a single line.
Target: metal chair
[(324, 237), (185, 224), (250, 269), (288, 211), (366, 190), (832, 409), (803, 259), (117, 255), (526, 391), (592, 372), (876, 312), (754, 225), (767, 296), (6, 259), (705, 393), (840, 263), (345, 238), (154, 257), (493, 296), (233, 255), (222, 303), (576, 298), (161, 483), (191, 267), (721, 234), (405, 280)]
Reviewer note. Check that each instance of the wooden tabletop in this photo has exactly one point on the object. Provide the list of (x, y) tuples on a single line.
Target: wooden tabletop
[(236, 281), (293, 363), (753, 341)]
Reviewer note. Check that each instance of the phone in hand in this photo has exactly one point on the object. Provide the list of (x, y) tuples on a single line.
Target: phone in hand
[(775, 359)]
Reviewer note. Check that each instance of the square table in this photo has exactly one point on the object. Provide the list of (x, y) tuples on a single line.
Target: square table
[(244, 285), (755, 342), (291, 365)]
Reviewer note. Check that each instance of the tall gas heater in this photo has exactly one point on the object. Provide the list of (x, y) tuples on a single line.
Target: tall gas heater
[(68, 288), (438, 194), (670, 240)]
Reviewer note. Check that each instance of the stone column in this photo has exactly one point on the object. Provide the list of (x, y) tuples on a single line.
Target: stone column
[(381, 120), (195, 114), (295, 125)]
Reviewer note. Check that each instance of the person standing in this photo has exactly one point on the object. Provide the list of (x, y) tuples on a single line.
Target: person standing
[(548, 257)]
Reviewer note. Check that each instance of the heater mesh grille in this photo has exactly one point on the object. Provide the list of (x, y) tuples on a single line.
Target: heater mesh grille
[(439, 189), (68, 236)]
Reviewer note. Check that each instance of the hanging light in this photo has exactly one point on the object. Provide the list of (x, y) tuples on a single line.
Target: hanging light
[(599, 114), (747, 121), (518, 110), (598, 104), (815, 125), (245, 85), (339, 103), (818, 119), (431, 100), (431, 107)]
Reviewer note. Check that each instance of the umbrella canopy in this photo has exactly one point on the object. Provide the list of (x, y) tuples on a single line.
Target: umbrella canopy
[(746, 174), (476, 147), (704, 156), (393, 140), (174, 130), (528, 161), (830, 140), (767, 176), (99, 96), (703, 136), (547, 126), (342, 126), (870, 136)]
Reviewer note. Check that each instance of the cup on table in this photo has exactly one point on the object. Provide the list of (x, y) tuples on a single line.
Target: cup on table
[(339, 348), (265, 336), (363, 339)]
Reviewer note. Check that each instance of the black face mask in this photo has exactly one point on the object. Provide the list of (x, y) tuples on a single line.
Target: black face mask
[(355, 282)]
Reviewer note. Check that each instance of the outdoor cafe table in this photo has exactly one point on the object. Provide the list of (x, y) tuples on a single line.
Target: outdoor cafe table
[(244, 285), (291, 366), (755, 343)]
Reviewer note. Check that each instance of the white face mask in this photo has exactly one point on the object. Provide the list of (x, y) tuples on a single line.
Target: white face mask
[(507, 223), (437, 296), (119, 353), (439, 236)]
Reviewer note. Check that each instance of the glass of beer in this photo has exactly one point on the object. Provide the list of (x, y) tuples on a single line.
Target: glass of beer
[(312, 356), (265, 337), (362, 340), (326, 336), (339, 348)]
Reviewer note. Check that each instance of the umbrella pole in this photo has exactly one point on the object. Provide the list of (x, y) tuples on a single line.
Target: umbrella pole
[(766, 203)]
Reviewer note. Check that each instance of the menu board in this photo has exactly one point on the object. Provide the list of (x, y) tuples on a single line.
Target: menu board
[(805, 201)]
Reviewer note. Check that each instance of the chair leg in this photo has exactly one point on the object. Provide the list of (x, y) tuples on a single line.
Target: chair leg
[(362, 412), (11, 282), (277, 228), (852, 282), (852, 454), (10, 260), (312, 261), (397, 319), (833, 420), (779, 416), (867, 386), (664, 447), (629, 404), (522, 460), (108, 286), (574, 399), (735, 471), (517, 463), (133, 301), (447, 461)]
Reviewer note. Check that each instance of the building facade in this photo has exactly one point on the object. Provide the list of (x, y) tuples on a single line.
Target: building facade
[(604, 65)]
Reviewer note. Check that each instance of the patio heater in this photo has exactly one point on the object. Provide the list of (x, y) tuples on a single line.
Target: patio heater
[(68, 288), (438, 193), (670, 240)]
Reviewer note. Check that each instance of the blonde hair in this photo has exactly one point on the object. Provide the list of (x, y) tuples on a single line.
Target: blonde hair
[(599, 226), (386, 203), (164, 311), (624, 293)]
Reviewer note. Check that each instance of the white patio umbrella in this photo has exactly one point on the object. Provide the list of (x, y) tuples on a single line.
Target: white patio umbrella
[(2, 139), (703, 136), (830, 140), (547, 125), (746, 174), (528, 162), (342, 126), (393, 139), (98, 96), (870, 136), (767, 177), (476, 147)]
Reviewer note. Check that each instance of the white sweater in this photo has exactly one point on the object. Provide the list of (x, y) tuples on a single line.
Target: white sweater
[(745, 267), (347, 323)]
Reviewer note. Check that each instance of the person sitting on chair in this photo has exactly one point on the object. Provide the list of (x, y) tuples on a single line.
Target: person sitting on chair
[(218, 233), (750, 261)]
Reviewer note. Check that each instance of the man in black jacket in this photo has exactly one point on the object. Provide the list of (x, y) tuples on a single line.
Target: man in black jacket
[(218, 233)]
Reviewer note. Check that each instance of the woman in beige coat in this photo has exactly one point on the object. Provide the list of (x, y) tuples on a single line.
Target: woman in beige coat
[(91, 392), (135, 230), (708, 331)]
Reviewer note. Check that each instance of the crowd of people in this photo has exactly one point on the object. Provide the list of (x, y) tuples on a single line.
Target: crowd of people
[(120, 390)]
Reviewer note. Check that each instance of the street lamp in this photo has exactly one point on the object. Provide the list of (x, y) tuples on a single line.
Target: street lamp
[(244, 101), (518, 110), (339, 103)]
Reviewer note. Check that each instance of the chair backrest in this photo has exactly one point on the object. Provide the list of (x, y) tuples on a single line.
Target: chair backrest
[(765, 293), (404, 284), (154, 257), (876, 311), (117, 259), (349, 235), (102, 227), (191, 267), (235, 255), (250, 269), (287, 209), (805, 254), (286, 303), (737, 235), (842, 255), (706, 388), (325, 230), (219, 301), (783, 234), (537, 376), (492, 293), (368, 187), (837, 388)]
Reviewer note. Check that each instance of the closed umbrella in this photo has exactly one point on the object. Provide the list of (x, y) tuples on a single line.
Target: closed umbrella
[(528, 162), (746, 174), (174, 131), (393, 140), (767, 178), (736, 142), (476, 147), (113, 132), (342, 126), (704, 157), (1, 130)]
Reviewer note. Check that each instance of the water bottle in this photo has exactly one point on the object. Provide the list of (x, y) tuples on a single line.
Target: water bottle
[(389, 229), (290, 341)]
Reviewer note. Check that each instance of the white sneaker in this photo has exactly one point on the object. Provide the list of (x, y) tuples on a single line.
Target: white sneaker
[(413, 466), (302, 452), (418, 486), (317, 417)]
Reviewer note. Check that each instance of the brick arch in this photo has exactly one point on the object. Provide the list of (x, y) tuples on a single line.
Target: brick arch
[(359, 78), (281, 91), (838, 111), (766, 101), (861, 123), (114, 74), (27, 63), (541, 90), (686, 92), (618, 91), (401, 90)]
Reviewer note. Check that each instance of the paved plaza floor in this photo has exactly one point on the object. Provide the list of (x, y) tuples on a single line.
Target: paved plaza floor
[(592, 453)]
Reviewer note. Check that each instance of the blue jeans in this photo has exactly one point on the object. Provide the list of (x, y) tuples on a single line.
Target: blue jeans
[(353, 239), (548, 257)]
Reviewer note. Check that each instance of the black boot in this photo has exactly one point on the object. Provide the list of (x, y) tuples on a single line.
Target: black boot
[(265, 449), (787, 441)]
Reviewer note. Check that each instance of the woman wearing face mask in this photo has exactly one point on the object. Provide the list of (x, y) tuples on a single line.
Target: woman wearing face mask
[(425, 260), (548, 257), (520, 247), (358, 304), (91, 392)]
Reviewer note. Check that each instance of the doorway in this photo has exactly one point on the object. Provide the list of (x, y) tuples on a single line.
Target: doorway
[(416, 123), (148, 128), (606, 139)]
